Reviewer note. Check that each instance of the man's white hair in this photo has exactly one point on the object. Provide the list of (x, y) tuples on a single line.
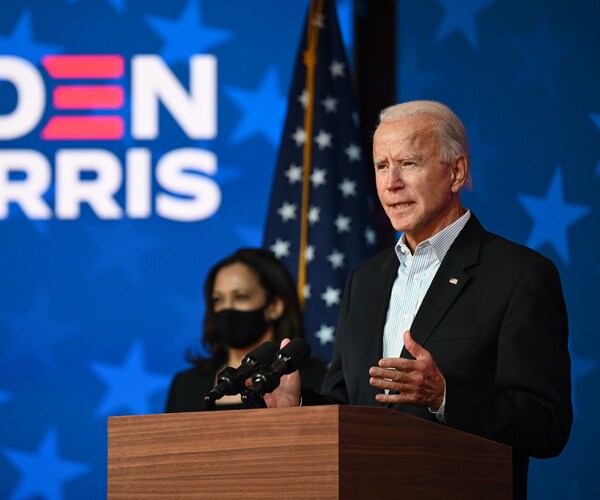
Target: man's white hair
[(452, 135)]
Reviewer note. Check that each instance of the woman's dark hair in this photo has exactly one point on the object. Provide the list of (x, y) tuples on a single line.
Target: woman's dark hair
[(275, 279)]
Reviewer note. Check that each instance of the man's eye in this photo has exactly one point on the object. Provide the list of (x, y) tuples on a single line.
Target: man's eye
[(380, 166), (411, 165)]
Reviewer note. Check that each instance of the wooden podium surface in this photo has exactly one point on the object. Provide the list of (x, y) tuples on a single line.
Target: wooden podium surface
[(309, 452)]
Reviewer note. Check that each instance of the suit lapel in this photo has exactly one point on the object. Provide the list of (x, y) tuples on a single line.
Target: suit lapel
[(448, 282), (382, 292)]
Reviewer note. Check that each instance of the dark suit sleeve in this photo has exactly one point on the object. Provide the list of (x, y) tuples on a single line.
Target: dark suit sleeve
[(333, 390), (359, 333), (529, 406)]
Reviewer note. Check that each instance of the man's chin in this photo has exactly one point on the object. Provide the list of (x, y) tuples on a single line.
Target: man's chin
[(401, 225)]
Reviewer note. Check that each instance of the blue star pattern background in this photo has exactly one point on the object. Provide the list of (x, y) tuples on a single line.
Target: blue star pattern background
[(524, 79), (96, 315)]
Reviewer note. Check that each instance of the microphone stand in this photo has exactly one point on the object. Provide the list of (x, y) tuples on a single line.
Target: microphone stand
[(209, 403), (251, 402)]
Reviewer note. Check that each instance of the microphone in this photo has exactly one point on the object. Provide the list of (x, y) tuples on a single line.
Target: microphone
[(230, 380), (287, 360)]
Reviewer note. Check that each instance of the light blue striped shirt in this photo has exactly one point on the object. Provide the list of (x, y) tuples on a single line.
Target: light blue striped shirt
[(415, 274)]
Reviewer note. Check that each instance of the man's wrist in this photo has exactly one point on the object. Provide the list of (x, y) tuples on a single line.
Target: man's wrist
[(440, 413)]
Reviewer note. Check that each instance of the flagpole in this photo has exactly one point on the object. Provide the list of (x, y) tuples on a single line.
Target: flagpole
[(310, 61)]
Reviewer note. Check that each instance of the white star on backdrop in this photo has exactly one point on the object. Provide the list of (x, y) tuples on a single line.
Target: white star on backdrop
[(337, 68), (323, 140), (354, 152), (330, 104), (299, 136), (336, 258), (331, 296), (314, 215), (342, 223), (318, 177), (370, 236), (303, 98), (347, 187), (281, 248), (287, 211), (325, 334), (294, 174), (309, 253)]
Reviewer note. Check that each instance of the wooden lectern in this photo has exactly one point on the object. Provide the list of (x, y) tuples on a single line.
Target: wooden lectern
[(310, 452)]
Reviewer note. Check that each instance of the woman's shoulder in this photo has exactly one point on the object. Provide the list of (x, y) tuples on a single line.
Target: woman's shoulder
[(194, 374), (188, 389)]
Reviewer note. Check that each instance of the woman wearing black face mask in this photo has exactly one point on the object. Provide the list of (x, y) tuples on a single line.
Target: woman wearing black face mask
[(251, 298)]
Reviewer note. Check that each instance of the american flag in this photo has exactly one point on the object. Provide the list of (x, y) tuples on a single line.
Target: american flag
[(321, 150)]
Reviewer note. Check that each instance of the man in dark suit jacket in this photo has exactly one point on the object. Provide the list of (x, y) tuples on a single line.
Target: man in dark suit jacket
[(455, 324)]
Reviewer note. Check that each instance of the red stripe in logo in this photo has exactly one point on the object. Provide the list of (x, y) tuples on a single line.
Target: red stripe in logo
[(89, 66), (84, 127), (88, 97)]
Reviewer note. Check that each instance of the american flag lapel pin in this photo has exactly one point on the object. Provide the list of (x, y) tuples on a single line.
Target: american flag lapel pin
[(453, 281)]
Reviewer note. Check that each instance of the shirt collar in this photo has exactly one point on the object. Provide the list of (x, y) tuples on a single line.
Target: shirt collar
[(439, 242)]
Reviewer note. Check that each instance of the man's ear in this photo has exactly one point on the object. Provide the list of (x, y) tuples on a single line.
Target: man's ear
[(459, 173)]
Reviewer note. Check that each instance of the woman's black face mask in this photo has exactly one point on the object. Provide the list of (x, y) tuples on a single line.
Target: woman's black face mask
[(239, 329)]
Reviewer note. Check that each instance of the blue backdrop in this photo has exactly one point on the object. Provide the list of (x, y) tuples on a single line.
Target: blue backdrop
[(524, 78), (105, 237)]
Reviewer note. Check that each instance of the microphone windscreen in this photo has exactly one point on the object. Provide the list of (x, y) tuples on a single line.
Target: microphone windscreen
[(295, 353), (264, 353)]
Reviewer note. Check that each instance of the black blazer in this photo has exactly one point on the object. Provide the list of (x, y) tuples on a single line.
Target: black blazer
[(498, 335)]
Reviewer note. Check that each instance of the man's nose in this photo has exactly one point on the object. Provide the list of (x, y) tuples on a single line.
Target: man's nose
[(395, 180)]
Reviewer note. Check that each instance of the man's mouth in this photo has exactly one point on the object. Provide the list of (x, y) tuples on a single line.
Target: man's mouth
[(402, 206)]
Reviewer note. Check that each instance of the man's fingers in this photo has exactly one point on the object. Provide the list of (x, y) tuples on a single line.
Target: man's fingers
[(396, 364), (390, 379), (400, 364)]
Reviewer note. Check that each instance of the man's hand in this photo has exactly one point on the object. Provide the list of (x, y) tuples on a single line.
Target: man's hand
[(288, 392), (417, 382)]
